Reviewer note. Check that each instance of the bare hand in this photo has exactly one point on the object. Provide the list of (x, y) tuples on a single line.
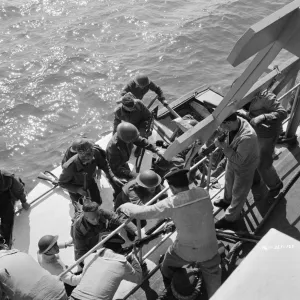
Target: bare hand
[(257, 120), (160, 152), (118, 181), (25, 205), (98, 173)]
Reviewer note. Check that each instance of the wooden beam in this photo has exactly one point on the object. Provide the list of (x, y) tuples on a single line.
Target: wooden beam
[(262, 34), (234, 99), (287, 78)]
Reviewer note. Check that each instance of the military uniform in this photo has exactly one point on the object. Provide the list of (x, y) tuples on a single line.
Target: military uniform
[(86, 236), (139, 117), (11, 189), (140, 92), (242, 153), (133, 193), (68, 154), (72, 176), (266, 104), (118, 154)]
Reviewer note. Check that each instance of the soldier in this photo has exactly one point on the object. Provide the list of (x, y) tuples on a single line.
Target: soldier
[(22, 278), (89, 157), (140, 86), (90, 225), (266, 110), (140, 190), (242, 152), (103, 273), (133, 111), (119, 150), (196, 242), (49, 259), (72, 150), (11, 189)]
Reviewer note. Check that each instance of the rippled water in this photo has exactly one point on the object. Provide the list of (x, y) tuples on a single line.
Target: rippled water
[(63, 64)]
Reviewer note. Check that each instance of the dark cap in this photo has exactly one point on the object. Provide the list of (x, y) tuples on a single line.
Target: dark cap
[(127, 100), (84, 145), (177, 177), (142, 80), (78, 142)]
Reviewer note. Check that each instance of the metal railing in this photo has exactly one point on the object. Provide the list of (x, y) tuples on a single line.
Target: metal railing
[(117, 230)]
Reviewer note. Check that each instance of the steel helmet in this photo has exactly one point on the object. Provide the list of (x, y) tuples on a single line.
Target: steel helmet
[(142, 80), (148, 179), (127, 132), (47, 242)]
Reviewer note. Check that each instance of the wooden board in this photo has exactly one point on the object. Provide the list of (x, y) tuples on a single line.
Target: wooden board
[(264, 33)]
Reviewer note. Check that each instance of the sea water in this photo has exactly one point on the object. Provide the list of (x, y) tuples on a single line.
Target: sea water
[(63, 64)]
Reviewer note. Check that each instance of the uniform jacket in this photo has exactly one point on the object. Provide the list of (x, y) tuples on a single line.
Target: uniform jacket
[(118, 154), (192, 213), (267, 104), (8, 183), (103, 273), (21, 278), (139, 92), (139, 117), (133, 193), (72, 177), (243, 151), (68, 154), (86, 236)]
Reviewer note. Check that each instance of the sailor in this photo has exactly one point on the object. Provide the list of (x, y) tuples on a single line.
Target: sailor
[(49, 259), (196, 242), (93, 223), (22, 278), (11, 190), (133, 111), (140, 86), (267, 110), (89, 157), (242, 152), (120, 146), (103, 273)]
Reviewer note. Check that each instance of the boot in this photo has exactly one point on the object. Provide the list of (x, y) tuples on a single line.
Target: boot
[(224, 224), (221, 203), (274, 192)]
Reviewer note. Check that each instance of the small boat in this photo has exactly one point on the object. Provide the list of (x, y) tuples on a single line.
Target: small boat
[(52, 213)]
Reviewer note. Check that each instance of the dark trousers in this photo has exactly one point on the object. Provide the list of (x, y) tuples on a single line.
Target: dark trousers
[(7, 215), (93, 191)]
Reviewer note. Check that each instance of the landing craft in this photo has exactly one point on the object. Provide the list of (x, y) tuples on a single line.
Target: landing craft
[(52, 213)]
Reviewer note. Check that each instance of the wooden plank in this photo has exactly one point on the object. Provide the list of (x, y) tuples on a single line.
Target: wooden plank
[(234, 99), (262, 34)]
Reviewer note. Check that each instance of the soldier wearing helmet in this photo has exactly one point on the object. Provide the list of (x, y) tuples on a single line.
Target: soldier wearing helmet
[(133, 111), (140, 190), (89, 157), (49, 259), (120, 146), (140, 86)]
